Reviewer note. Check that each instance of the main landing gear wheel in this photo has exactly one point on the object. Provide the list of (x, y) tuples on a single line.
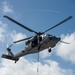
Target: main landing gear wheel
[(49, 50), (16, 60)]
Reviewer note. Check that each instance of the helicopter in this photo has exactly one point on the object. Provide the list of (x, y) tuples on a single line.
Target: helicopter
[(34, 44)]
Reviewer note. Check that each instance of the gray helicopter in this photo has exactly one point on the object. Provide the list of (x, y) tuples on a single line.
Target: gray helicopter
[(34, 44)]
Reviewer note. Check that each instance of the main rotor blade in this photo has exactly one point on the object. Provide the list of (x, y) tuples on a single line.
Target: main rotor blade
[(20, 24), (58, 24), (23, 39)]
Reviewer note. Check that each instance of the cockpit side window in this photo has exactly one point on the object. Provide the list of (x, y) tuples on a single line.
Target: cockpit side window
[(35, 42), (50, 38), (40, 39), (27, 42)]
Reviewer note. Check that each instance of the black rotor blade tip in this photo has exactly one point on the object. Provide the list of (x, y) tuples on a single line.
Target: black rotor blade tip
[(70, 17), (4, 16)]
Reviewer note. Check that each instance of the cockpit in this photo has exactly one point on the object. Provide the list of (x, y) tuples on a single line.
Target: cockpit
[(34, 41), (27, 42)]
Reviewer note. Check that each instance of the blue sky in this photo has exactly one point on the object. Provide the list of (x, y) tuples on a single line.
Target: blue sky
[(39, 15)]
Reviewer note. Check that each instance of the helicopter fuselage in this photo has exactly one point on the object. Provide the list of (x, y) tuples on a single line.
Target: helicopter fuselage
[(45, 41), (34, 44)]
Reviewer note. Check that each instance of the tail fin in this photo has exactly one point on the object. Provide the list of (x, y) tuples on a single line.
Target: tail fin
[(10, 56), (9, 52)]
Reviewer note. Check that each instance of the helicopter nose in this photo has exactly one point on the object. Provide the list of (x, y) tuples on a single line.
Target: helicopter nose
[(59, 38)]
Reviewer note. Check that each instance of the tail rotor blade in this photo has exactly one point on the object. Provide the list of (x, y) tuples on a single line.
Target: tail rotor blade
[(8, 46)]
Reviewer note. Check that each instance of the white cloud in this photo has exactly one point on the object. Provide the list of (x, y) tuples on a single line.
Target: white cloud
[(7, 8), (17, 36), (67, 51), (3, 27), (24, 67), (45, 53), (9, 36)]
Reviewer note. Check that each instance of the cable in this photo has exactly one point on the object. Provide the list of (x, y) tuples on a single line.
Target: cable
[(38, 63)]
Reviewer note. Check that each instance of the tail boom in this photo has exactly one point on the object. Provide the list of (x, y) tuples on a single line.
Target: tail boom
[(10, 57)]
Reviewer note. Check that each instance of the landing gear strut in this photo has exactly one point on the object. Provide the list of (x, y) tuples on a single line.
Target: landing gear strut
[(16, 60), (49, 50)]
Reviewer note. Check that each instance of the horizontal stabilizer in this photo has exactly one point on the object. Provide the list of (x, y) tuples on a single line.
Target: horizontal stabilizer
[(9, 57)]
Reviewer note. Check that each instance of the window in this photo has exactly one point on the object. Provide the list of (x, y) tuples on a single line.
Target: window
[(40, 39)]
